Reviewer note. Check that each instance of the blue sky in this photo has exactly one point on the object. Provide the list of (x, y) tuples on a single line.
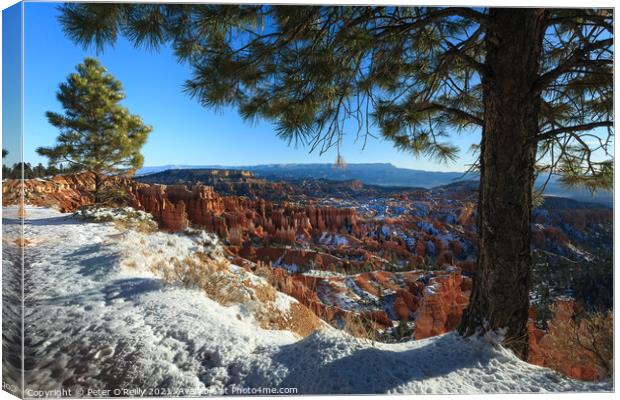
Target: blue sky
[(11, 78), (183, 131)]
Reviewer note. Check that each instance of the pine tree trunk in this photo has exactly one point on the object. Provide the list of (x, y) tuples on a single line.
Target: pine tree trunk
[(97, 189), (500, 295)]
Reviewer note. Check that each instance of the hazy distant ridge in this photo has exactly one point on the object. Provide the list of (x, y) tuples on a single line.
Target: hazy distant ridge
[(382, 174)]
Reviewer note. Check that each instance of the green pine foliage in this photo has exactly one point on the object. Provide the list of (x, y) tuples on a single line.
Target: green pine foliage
[(413, 73), (97, 133)]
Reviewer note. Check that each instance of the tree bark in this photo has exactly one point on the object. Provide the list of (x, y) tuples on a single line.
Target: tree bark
[(500, 295), (97, 194)]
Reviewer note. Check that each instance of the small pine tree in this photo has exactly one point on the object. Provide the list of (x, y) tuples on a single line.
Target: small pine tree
[(53, 170), (19, 167), (402, 330), (39, 171), (5, 170), (97, 134)]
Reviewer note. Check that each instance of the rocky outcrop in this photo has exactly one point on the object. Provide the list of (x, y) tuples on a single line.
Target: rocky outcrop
[(303, 288), (65, 192), (442, 304), (559, 347), (435, 301), (176, 206), (238, 219), (153, 199)]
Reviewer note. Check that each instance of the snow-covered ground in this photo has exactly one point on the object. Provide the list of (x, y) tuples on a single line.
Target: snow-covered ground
[(94, 322)]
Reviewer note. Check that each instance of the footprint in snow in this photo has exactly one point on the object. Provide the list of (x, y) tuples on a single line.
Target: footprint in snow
[(104, 353)]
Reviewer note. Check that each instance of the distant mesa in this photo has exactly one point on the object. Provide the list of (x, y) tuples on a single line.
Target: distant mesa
[(377, 174), (255, 185), (195, 174), (380, 174)]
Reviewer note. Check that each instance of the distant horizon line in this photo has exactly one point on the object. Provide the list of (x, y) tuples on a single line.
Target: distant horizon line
[(238, 166), (291, 163)]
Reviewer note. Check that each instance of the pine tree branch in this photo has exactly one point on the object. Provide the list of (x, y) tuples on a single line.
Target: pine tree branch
[(469, 60), (577, 58), (595, 20), (74, 162), (405, 27), (460, 50), (470, 13), (570, 129), (454, 111)]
